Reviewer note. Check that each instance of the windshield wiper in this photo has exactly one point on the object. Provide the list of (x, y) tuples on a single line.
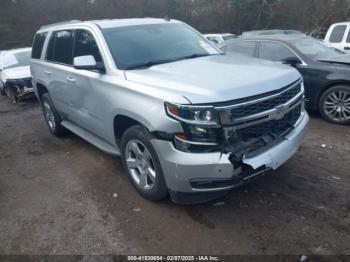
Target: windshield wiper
[(192, 56), (148, 64)]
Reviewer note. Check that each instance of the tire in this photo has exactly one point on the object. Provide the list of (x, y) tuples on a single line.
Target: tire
[(51, 116), (2, 88), (334, 104), (142, 164)]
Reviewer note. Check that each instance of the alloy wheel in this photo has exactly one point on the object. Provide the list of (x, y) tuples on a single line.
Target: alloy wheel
[(49, 116), (337, 105), (140, 164)]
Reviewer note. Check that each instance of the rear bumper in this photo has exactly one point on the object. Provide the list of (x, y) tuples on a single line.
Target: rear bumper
[(180, 169)]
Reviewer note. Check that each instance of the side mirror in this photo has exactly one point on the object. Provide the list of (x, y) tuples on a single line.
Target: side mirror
[(293, 61), (88, 62)]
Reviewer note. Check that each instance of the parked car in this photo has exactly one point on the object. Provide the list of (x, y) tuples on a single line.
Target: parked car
[(219, 38), (338, 36), (272, 32), (319, 34), (185, 119), (15, 77), (326, 71)]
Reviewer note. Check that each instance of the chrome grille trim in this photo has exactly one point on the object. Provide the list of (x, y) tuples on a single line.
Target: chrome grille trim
[(229, 130), (220, 108), (271, 114)]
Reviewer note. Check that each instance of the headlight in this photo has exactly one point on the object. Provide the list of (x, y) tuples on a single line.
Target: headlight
[(197, 115), (201, 127)]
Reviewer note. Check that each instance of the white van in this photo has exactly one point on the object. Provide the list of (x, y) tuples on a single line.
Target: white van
[(338, 36)]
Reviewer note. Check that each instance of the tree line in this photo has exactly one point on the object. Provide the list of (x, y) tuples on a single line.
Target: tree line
[(19, 19)]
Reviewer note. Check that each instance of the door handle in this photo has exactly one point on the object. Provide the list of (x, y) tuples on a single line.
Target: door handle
[(47, 72), (70, 79), (347, 48)]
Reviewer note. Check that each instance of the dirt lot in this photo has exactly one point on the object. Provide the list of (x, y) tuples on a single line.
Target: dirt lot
[(63, 196)]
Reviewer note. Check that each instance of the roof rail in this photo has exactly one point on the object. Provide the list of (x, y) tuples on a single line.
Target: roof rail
[(61, 23)]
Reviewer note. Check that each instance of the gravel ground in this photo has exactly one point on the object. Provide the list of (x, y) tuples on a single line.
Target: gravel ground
[(63, 196)]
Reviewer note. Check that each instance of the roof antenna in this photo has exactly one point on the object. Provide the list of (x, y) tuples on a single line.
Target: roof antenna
[(167, 18)]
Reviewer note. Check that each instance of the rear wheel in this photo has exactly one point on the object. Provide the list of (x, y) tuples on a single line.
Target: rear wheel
[(2, 88), (142, 164), (334, 105), (52, 118)]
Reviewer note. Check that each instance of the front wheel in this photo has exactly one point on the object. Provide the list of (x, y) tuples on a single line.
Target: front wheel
[(142, 164), (334, 105)]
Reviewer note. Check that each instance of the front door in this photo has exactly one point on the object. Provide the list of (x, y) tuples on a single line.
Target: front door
[(86, 95)]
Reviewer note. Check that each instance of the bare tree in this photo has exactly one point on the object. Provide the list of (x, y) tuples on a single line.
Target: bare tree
[(19, 19)]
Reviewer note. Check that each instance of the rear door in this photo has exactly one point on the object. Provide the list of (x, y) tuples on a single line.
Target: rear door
[(274, 51), (59, 64)]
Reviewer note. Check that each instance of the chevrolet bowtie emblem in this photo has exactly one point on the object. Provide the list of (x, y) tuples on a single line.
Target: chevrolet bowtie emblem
[(279, 112)]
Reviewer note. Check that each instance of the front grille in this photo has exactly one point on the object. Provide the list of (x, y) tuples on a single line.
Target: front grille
[(252, 109), (276, 127), (28, 82), (253, 140)]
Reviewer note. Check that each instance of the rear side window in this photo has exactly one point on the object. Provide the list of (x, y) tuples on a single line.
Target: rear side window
[(337, 34), (60, 47), (38, 45), (85, 44), (50, 48), (274, 51), (348, 38), (244, 48)]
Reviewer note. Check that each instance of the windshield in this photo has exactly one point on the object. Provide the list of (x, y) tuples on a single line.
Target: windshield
[(146, 45), (315, 50), (11, 60)]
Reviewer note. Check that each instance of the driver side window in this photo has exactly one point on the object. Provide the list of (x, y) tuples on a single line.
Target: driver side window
[(274, 51)]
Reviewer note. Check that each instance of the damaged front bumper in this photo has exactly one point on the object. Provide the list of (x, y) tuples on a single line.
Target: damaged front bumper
[(20, 88), (25, 92), (215, 172)]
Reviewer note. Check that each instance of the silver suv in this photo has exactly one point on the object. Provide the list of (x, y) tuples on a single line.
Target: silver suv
[(186, 119)]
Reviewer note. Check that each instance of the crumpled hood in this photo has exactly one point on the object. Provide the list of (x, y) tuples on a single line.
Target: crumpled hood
[(16, 73), (216, 78)]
